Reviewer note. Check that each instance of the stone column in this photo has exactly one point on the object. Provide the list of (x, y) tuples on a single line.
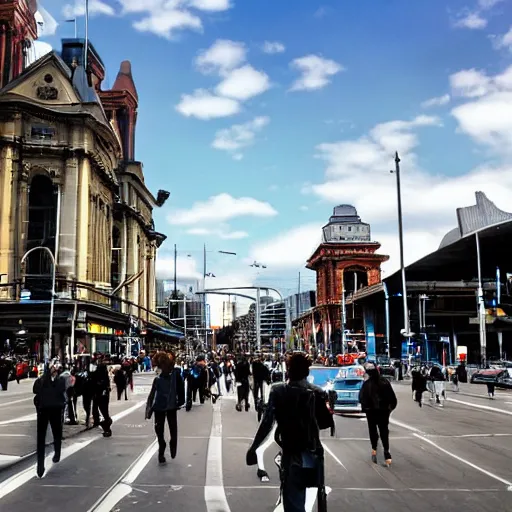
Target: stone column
[(69, 219)]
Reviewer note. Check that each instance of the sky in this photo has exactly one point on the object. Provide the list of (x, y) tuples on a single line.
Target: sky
[(260, 116)]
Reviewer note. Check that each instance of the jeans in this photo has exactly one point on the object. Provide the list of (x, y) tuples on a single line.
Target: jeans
[(172, 420), (54, 418), (378, 422)]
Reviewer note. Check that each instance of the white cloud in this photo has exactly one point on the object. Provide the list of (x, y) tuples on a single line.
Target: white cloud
[(186, 268), (304, 208), (487, 116), (290, 248), (221, 208), (239, 136), (244, 83), (504, 41), (316, 72), (273, 47), (472, 20), (39, 49), (46, 23), (95, 7), (436, 102), (205, 105), (470, 83), (224, 55), (223, 234), (166, 22), (211, 5)]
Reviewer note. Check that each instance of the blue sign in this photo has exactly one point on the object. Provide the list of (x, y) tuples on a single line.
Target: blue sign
[(25, 294), (371, 346)]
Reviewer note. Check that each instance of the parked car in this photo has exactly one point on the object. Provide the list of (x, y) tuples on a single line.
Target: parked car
[(501, 378)]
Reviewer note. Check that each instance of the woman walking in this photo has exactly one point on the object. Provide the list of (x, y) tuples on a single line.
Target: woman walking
[(166, 397), (378, 400)]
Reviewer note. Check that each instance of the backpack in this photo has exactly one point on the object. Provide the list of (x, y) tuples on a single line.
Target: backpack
[(196, 371)]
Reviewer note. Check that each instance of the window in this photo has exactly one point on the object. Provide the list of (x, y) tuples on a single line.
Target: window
[(42, 132), (350, 228)]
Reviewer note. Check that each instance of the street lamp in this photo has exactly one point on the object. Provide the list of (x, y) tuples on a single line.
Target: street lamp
[(406, 331), (52, 302)]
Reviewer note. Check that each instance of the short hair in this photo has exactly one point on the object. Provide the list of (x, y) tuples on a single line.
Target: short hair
[(163, 361), (298, 366)]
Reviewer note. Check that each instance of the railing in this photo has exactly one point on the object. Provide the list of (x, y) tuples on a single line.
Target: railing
[(76, 291)]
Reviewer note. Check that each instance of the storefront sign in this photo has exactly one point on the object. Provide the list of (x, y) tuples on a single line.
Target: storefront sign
[(99, 329)]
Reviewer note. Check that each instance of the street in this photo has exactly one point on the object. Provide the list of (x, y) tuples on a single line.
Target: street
[(455, 457)]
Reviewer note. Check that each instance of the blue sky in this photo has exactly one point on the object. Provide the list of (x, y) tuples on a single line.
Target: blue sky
[(260, 116)]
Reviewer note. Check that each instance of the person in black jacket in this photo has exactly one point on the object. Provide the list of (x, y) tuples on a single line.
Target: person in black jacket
[(377, 400), (300, 411), (101, 396), (260, 374), (242, 374), (166, 397), (50, 399)]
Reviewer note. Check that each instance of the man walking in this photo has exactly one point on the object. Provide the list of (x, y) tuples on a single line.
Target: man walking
[(300, 410), (50, 400)]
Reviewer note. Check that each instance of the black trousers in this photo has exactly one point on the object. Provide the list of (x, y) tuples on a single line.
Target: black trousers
[(378, 423), (257, 390), (54, 418), (192, 390), (100, 405), (120, 390), (243, 392), (172, 421)]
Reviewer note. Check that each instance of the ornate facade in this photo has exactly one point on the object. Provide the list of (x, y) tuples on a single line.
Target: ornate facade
[(69, 182), (345, 261)]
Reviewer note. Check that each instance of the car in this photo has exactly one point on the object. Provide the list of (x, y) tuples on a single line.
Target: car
[(347, 385), (501, 378)]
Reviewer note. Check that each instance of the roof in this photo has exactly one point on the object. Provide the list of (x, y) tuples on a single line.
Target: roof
[(456, 257)]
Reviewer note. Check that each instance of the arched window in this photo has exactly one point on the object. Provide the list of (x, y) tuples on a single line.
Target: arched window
[(42, 217)]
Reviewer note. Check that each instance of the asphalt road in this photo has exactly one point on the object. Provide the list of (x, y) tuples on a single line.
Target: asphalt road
[(450, 458)]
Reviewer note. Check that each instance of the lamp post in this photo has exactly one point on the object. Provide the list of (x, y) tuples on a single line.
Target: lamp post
[(52, 302), (407, 328), (481, 306)]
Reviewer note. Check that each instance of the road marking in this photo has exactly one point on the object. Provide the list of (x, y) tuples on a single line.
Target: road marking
[(214, 493), (4, 404), (483, 407), (21, 478), (122, 487), (467, 462), (405, 426), (21, 419), (333, 455)]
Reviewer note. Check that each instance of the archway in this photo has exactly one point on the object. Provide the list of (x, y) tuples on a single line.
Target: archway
[(42, 209)]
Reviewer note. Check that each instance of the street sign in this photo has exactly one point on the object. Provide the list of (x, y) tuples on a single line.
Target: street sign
[(25, 294)]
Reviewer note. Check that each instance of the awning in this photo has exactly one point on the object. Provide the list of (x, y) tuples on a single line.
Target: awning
[(169, 333)]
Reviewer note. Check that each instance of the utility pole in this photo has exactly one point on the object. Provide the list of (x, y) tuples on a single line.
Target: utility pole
[(298, 299), (407, 327), (175, 277)]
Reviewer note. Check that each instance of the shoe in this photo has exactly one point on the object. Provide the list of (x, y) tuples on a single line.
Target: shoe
[(161, 459), (247, 407), (387, 456), (56, 458), (40, 471), (374, 456), (263, 475), (214, 399), (238, 407), (173, 449)]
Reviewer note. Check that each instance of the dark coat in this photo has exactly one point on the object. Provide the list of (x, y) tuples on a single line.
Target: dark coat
[(377, 394), (167, 392), (50, 394)]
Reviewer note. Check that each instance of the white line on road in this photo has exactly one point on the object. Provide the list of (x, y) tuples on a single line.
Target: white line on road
[(4, 404), (467, 462), (214, 493), (21, 419), (483, 407), (122, 487), (333, 455), (21, 478), (423, 437)]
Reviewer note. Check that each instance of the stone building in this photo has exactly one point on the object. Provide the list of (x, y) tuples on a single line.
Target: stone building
[(69, 182), (345, 261)]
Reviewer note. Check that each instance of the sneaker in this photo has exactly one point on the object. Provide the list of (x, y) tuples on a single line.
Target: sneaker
[(374, 456)]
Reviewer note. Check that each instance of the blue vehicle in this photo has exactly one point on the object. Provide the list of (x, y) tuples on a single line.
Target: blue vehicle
[(347, 385)]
